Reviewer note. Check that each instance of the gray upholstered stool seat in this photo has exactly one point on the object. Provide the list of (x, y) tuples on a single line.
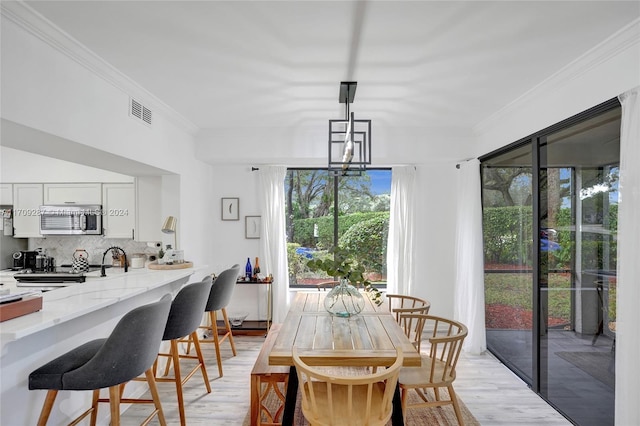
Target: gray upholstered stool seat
[(219, 297), (128, 352), (50, 375), (184, 318)]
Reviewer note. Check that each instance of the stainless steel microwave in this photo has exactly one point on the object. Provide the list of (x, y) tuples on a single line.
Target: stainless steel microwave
[(71, 219)]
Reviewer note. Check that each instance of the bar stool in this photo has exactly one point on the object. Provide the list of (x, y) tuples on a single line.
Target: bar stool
[(219, 298), (128, 352), (184, 318)]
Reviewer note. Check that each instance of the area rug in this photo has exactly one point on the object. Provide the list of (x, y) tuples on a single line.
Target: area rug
[(599, 365), (442, 416)]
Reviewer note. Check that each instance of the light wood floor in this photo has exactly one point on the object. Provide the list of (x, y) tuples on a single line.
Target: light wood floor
[(493, 393)]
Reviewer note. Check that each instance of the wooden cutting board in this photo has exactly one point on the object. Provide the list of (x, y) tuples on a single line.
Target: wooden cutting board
[(185, 265), (26, 305)]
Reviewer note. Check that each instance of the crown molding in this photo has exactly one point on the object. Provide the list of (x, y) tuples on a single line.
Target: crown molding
[(626, 38), (34, 23)]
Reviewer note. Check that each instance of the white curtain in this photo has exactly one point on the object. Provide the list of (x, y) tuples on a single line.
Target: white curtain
[(273, 238), (400, 264), (469, 282), (628, 286)]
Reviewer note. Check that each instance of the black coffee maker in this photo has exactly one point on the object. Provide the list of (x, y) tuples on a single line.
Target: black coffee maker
[(24, 260)]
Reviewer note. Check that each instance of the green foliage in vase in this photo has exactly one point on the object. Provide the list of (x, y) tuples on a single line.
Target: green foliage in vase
[(342, 265)]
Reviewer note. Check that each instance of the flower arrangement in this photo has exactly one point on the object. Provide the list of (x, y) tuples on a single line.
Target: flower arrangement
[(343, 266)]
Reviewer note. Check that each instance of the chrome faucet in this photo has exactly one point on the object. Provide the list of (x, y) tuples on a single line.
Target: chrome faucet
[(103, 272)]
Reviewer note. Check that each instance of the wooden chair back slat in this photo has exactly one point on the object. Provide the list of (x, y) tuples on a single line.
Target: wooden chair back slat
[(401, 307), (331, 398)]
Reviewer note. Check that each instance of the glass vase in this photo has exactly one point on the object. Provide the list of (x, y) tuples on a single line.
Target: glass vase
[(344, 300)]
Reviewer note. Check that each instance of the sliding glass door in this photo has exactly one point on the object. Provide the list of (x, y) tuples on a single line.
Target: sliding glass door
[(550, 216), (578, 182), (507, 223)]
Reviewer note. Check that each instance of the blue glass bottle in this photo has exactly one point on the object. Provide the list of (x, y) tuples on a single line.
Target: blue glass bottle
[(247, 270)]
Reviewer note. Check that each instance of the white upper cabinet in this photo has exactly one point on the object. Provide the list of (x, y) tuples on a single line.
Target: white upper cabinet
[(27, 199), (119, 210), (6, 194), (148, 208), (72, 193)]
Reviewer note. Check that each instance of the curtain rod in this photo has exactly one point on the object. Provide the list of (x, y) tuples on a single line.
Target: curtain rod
[(464, 161)]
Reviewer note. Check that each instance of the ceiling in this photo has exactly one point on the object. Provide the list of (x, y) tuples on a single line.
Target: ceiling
[(266, 63)]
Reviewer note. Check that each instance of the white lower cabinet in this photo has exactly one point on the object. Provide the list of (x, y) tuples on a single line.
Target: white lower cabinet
[(27, 199), (119, 210)]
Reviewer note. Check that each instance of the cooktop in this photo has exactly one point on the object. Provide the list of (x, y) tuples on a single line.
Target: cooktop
[(63, 275)]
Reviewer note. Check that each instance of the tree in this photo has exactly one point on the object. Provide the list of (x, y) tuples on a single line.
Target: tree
[(310, 192), (500, 179), (307, 186)]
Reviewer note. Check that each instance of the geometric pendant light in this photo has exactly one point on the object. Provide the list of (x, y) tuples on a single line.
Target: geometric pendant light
[(349, 139)]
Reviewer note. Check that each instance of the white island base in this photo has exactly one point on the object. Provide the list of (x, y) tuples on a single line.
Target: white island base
[(71, 316)]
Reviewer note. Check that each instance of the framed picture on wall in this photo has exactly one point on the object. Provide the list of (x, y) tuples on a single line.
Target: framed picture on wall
[(252, 226), (231, 209)]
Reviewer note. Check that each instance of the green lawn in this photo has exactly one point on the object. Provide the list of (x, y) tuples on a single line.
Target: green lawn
[(514, 289)]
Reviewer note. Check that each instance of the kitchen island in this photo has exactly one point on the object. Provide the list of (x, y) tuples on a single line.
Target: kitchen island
[(71, 316)]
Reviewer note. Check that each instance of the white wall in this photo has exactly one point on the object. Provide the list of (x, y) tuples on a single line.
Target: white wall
[(24, 167), (228, 244), (307, 146), (606, 71), (47, 92), (45, 89)]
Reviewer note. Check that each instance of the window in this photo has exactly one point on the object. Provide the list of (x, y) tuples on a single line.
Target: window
[(323, 210)]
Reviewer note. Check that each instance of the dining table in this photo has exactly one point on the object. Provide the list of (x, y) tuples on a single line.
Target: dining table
[(367, 339)]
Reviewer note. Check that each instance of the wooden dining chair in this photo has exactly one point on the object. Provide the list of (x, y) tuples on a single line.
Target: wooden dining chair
[(326, 285), (400, 306), (329, 398), (438, 369), (413, 326)]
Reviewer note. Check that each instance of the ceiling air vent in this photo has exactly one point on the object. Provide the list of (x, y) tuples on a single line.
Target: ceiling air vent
[(140, 112)]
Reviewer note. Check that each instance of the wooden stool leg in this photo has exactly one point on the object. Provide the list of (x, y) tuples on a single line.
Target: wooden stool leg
[(203, 369), (154, 367), (216, 340), (205, 327), (169, 361), (151, 381), (46, 408), (178, 379), (94, 406), (228, 327), (114, 402)]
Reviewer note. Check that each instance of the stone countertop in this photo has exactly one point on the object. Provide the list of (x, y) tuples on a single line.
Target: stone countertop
[(67, 303), (72, 316)]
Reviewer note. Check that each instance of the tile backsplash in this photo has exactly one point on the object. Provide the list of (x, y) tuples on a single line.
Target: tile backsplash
[(62, 247)]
